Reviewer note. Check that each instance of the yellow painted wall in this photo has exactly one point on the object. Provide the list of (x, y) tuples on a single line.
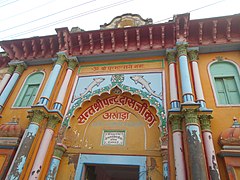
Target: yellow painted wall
[(87, 138)]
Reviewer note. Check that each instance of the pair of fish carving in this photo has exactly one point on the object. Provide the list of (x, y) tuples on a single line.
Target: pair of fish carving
[(137, 79), (145, 85), (95, 82)]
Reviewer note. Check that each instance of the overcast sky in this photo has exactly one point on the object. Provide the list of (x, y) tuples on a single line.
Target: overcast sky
[(28, 18)]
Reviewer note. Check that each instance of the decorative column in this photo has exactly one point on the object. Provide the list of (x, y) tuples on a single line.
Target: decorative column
[(55, 162), (44, 99), (184, 72), (193, 56), (164, 153), (6, 77), (11, 83), (180, 169), (196, 157), (53, 120), (72, 63), (209, 147), (173, 80), (20, 158)]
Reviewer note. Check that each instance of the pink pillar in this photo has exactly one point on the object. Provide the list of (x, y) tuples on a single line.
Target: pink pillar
[(193, 56), (173, 79), (61, 95), (209, 147), (180, 169), (6, 78), (42, 151)]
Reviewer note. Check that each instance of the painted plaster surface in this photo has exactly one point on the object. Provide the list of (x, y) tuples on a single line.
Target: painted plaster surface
[(185, 77), (196, 154), (52, 172), (8, 88), (4, 81), (197, 81), (51, 81), (64, 86), (179, 156), (23, 152), (38, 163), (211, 156), (173, 84)]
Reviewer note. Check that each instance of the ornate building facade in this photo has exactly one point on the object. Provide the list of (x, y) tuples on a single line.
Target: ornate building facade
[(133, 100)]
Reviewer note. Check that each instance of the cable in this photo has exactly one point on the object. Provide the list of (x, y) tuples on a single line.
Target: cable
[(8, 3), (23, 12), (69, 18), (47, 16), (193, 10)]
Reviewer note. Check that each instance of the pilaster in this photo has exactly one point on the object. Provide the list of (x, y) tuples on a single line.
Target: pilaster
[(196, 155), (56, 158), (23, 156)]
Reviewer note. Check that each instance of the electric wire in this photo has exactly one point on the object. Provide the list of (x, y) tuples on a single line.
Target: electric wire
[(90, 12), (202, 7), (69, 18), (29, 10), (47, 16), (8, 3)]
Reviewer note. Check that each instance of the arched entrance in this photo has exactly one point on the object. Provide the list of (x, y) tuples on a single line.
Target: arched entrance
[(116, 129)]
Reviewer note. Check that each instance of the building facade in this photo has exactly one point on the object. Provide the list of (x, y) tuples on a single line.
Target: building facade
[(133, 100)]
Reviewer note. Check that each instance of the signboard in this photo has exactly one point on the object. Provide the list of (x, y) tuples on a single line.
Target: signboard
[(113, 138)]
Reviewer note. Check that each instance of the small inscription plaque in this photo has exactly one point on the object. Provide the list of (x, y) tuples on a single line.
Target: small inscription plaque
[(113, 138)]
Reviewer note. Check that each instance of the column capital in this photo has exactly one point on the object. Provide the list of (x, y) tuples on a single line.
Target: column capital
[(190, 116), (171, 56), (11, 69), (53, 120), (61, 57), (72, 63), (20, 68), (36, 115), (205, 121), (193, 53), (164, 154), (182, 48), (176, 122), (59, 150)]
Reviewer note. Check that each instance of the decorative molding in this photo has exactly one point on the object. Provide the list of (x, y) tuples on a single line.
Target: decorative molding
[(11, 69), (176, 122), (62, 57), (20, 68), (205, 122), (190, 116), (53, 120), (72, 63), (171, 56), (126, 20), (193, 54), (36, 115), (182, 48), (59, 150)]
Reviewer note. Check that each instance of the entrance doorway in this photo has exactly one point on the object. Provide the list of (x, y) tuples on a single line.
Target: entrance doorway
[(111, 172), (94, 167)]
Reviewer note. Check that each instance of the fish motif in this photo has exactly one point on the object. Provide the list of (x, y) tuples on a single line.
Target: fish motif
[(95, 82), (145, 85)]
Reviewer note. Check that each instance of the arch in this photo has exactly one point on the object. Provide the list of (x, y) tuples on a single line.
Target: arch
[(225, 81), (29, 90), (84, 119)]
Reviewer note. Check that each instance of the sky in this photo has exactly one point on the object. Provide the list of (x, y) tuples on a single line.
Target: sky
[(28, 18)]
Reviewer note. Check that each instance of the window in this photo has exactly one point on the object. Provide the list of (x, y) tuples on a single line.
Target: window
[(226, 82), (29, 90)]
